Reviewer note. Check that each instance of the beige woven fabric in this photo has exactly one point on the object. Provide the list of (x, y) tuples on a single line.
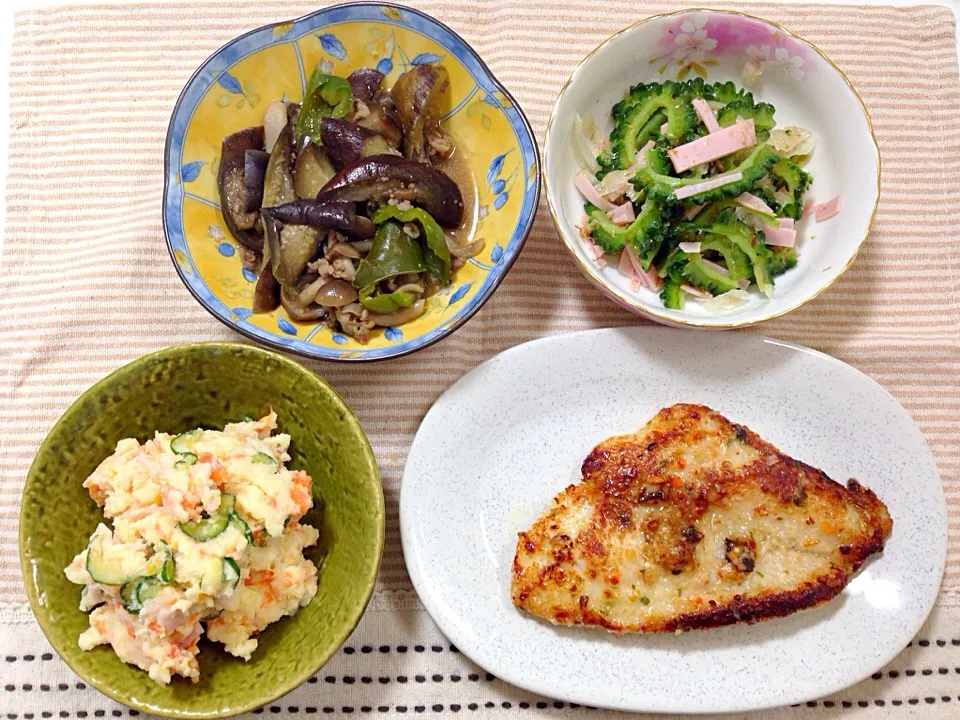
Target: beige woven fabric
[(86, 285)]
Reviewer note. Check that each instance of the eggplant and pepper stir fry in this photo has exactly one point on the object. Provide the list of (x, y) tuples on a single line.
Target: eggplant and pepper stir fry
[(341, 203)]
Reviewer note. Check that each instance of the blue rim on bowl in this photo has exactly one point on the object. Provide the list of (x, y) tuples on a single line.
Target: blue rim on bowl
[(218, 64)]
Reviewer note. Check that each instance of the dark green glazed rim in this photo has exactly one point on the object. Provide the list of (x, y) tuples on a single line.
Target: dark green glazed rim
[(176, 389)]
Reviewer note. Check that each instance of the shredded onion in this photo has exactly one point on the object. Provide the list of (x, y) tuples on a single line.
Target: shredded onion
[(690, 247), (791, 141), (583, 144), (728, 301)]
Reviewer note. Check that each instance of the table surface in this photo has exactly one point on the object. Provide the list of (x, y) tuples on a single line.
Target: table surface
[(8, 10)]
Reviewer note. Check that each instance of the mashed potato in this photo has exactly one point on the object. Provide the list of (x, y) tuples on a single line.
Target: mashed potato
[(205, 537)]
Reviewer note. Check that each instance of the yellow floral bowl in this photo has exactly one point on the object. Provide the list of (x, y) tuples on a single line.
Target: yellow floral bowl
[(230, 91)]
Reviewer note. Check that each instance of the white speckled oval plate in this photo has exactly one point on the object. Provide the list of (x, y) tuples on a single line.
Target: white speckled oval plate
[(512, 433)]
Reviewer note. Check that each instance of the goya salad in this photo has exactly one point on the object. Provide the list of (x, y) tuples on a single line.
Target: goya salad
[(205, 538), (697, 190)]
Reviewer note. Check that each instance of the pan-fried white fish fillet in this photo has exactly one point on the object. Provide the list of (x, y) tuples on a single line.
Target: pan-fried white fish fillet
[(693, 522)]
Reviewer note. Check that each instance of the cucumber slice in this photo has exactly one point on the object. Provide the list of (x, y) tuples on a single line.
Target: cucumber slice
[(241, 525), (227, 501), (213, 578), (129, 596), (231, 573), (100, 570), (262, 458), (186, 460), (168, 570), (209, 527), (183, 443), (147, 589)]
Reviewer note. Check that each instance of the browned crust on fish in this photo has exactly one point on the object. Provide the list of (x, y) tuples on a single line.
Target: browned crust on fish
[(650, 507)]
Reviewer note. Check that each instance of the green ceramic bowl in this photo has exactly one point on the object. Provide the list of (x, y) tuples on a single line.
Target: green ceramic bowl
[(175, 390)]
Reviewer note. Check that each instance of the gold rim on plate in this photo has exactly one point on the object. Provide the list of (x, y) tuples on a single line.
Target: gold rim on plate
[(618, 295)]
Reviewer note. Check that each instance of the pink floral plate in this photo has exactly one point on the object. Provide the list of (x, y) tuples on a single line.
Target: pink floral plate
[(806, 88)]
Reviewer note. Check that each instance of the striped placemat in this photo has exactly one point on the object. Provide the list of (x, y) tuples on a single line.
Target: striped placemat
[(87, 286)]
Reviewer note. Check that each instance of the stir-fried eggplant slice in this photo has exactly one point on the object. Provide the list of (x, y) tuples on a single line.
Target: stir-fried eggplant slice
[(234, 196), (380, 178), (327, 215), (311, 171), (266, 293), (365, 83), (346, 143), (419, 95), (291, 248), (254, 176), (381, 116), (278, 182)]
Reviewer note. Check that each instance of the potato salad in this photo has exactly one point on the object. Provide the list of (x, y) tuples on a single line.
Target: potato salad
[(206, 538)]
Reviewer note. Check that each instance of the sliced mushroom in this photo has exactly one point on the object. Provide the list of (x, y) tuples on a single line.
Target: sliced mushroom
[(234, 200), (311, 171), (365, 82), (398, 317), (298, 310), (324, 214), (418, 94), (380, 178), (354, 321), (330, 293)]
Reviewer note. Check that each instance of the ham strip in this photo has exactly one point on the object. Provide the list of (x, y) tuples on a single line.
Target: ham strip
[(752, 202), (695, 291), (622, 214), (647, 277), (711, 184), (584, 184), (825, 211), (779, 236), (714, 146), (706, 115)]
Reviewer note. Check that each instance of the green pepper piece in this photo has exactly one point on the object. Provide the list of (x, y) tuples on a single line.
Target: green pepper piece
[(393, 253), (436, 241), (326, 96), (386, 303)]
